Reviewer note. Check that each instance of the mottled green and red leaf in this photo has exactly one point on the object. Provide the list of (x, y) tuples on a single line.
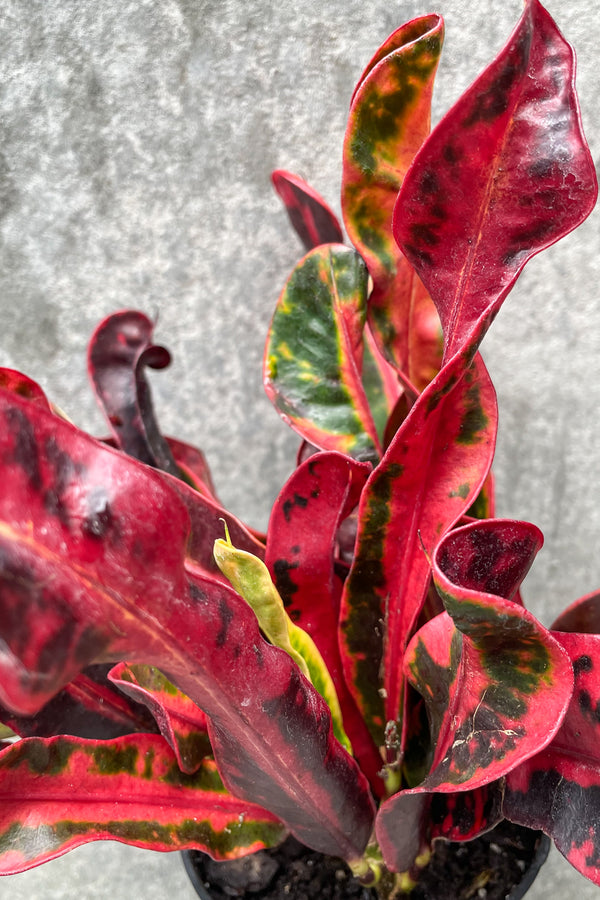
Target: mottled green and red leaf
[(430, 474), (314, 352), (558, 790), (495, 681), (61, 792), (388, 122)]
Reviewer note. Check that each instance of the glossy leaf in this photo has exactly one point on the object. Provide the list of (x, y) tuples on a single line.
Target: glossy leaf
[(558, 790), (192, 463), (511, 671), (381, 384), (59, 793), (313, 220), (496, 683), (389, 120), (12, 380), (123, 592), (89, 707), (182, 724), (301, 541), (506, 173), (429, 476), (583, 615), (313, 357), (206, 520), (119, 350)]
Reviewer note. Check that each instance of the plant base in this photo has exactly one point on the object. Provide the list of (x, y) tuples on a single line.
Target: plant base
[(500, 865)]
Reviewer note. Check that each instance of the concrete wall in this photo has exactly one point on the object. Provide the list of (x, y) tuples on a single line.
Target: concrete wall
[(136, 144)]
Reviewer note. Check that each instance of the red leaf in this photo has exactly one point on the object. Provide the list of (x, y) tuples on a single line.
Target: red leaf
[(430, 474), (313, 220), (506, 173), (120, 348), (194, 467), (583, 615), (92, 549), (206, 519), (88, 707), (558, 790), (11, 380)]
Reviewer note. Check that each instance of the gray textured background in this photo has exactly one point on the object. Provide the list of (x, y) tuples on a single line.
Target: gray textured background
[(136, 144)]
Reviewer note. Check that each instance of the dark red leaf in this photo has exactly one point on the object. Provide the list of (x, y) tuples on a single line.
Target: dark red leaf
[(558, 790), (583, 615), (88, 707), (192, 463), (313, 220), (119, 350)]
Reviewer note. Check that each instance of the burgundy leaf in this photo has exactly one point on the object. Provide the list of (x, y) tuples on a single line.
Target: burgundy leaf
[(120, 348), (95, 571), (506, 173), (193, 465), (583, 615), (313, 220)]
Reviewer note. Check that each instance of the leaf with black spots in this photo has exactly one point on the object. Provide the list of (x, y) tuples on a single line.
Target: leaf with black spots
[(73, 595), (558, 791), (429, 476), (506, 173), (301, 546), (496, 683)]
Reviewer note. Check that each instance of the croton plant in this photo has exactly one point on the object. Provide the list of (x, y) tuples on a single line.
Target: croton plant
[(364, 675)]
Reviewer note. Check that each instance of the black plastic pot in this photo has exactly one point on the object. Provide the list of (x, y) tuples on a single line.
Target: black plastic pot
[(500, 865)]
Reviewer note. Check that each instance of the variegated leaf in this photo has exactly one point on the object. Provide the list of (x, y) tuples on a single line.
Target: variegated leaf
[(313, 357)]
